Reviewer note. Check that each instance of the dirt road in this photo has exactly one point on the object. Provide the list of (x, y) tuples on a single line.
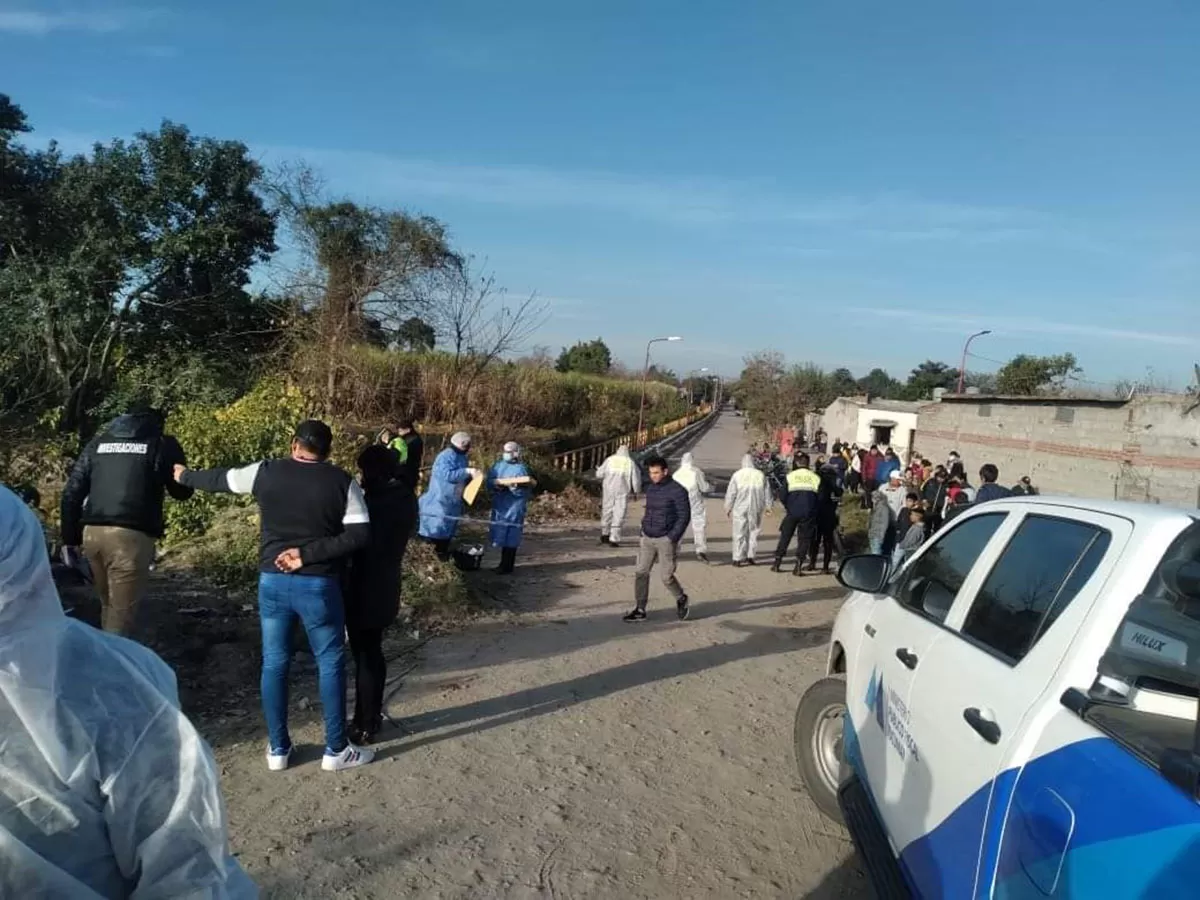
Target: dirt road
[(557, 751)]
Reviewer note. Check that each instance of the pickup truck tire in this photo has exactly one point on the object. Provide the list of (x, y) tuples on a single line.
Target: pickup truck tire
[(818, 742)]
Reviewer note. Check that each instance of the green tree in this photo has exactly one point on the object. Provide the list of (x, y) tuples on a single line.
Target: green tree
[(416, 335), (878, 383), (1029, 375), (369, 263), (153, 237), (591, 357), (842, 383), (928, 376)]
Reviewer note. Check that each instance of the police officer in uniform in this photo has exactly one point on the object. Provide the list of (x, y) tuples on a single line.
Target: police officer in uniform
[(112, 506), (800, 504)]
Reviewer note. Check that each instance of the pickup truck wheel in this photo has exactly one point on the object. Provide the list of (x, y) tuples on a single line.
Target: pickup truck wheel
[(818, 738)]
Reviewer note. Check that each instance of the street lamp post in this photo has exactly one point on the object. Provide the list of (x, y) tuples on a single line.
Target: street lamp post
[(962, 369), (645, 375)]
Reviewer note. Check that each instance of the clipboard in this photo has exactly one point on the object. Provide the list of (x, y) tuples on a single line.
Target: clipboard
[(471, 491), (515, 481)]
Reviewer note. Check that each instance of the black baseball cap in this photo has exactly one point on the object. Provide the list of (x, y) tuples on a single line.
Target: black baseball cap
[(315, 435)]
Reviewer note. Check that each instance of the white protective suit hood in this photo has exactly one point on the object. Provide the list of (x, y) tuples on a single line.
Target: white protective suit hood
[(108, 790), (687, 460), (747, 461), (623, 450)]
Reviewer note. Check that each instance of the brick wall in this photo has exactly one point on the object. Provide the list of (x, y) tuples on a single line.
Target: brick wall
[(1144, 450)]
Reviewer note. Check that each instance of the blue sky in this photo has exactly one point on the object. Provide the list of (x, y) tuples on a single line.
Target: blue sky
[(854, 184)]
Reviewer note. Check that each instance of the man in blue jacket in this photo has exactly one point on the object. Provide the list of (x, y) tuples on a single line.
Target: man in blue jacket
[(668, 512), (989, 489)]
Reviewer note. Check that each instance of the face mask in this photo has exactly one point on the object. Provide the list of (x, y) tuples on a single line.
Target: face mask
[(510, 457)]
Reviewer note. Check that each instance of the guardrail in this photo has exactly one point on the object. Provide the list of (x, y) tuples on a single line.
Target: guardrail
[(583, 459)]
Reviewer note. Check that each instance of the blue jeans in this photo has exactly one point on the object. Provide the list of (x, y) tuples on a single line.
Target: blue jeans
[(317, 600), (876, 546)]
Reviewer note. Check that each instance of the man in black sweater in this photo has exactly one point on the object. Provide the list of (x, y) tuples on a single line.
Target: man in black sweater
[(668, 512), (113, 507), (313, 518)]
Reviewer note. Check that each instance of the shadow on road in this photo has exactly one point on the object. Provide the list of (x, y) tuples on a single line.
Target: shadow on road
[(483, 715)]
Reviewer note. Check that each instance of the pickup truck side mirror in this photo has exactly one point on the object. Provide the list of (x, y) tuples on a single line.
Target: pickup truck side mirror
[(866, 572)]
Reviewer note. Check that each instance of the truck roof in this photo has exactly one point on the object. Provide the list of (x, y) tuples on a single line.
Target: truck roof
[(1144, 514)]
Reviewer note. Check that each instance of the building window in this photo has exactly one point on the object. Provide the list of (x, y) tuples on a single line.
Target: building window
[(1064, 414)]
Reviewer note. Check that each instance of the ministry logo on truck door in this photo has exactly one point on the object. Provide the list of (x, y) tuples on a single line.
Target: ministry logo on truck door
[(891, 714)]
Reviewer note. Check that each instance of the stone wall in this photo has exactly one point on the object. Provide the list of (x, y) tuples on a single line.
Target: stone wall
[(1145, 449)]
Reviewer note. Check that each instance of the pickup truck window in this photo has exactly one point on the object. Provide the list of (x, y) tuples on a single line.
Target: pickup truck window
[(1039, 573), (931, 583)]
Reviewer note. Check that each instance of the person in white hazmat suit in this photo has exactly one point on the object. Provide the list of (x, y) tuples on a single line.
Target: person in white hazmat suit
[(746, 500), (109, 792), (693, 479), (620, 477)]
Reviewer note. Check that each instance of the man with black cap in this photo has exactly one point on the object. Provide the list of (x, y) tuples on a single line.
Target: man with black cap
[(313, 518), (112, 506)]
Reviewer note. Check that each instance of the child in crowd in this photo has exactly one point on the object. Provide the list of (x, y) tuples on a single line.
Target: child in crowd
[(914, 536)]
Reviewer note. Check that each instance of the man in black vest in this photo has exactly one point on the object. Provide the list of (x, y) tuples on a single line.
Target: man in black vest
[(113, 507), (313, 519)]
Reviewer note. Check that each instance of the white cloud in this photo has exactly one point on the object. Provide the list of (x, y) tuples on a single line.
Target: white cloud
[(938, 320), (39, 24), (676, 201)]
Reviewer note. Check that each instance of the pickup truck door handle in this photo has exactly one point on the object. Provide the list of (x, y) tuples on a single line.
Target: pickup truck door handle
[(987, 729), (909, 659), (870, 630)]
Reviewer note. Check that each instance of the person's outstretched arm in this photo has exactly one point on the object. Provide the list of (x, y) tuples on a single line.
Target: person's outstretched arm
[(220, 481)]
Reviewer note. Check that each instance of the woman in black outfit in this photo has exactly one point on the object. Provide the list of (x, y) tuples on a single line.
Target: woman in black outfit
[(373, 595)]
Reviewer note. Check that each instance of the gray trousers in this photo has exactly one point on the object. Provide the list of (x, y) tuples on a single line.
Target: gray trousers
[(664, 551)]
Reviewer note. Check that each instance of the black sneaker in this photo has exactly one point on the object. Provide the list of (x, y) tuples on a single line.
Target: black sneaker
[(703, 557), (682, 609), (604, 539), (636, 616), (751, 561)]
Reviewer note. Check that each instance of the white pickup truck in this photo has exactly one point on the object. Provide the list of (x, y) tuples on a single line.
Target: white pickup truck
[(1013, 713)]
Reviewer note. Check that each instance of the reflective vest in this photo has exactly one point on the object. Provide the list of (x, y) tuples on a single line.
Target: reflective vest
[(401, 447), (803, 480)]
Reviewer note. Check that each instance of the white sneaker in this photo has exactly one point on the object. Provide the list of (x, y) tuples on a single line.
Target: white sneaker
[(350, 758), (277, 762)]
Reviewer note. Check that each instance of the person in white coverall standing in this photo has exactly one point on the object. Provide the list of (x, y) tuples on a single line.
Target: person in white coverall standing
[(109, 792), (620, 477), (746, 500), (693, 479)]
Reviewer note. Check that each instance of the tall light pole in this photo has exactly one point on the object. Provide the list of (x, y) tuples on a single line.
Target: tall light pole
[(645, 375), (962, 369)]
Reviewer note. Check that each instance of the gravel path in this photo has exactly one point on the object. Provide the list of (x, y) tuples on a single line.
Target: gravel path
[(558, 752)]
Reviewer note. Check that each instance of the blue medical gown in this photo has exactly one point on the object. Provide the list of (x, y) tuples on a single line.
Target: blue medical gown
[(441, 504), (508, 504)]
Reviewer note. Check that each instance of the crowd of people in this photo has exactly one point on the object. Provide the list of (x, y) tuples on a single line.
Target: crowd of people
[(148, 816)]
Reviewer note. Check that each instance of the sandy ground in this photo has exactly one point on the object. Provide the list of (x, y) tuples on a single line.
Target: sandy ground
[(555, 751)]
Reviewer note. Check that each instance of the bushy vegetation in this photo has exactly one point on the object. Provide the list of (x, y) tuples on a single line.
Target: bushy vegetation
[(431, 387)]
